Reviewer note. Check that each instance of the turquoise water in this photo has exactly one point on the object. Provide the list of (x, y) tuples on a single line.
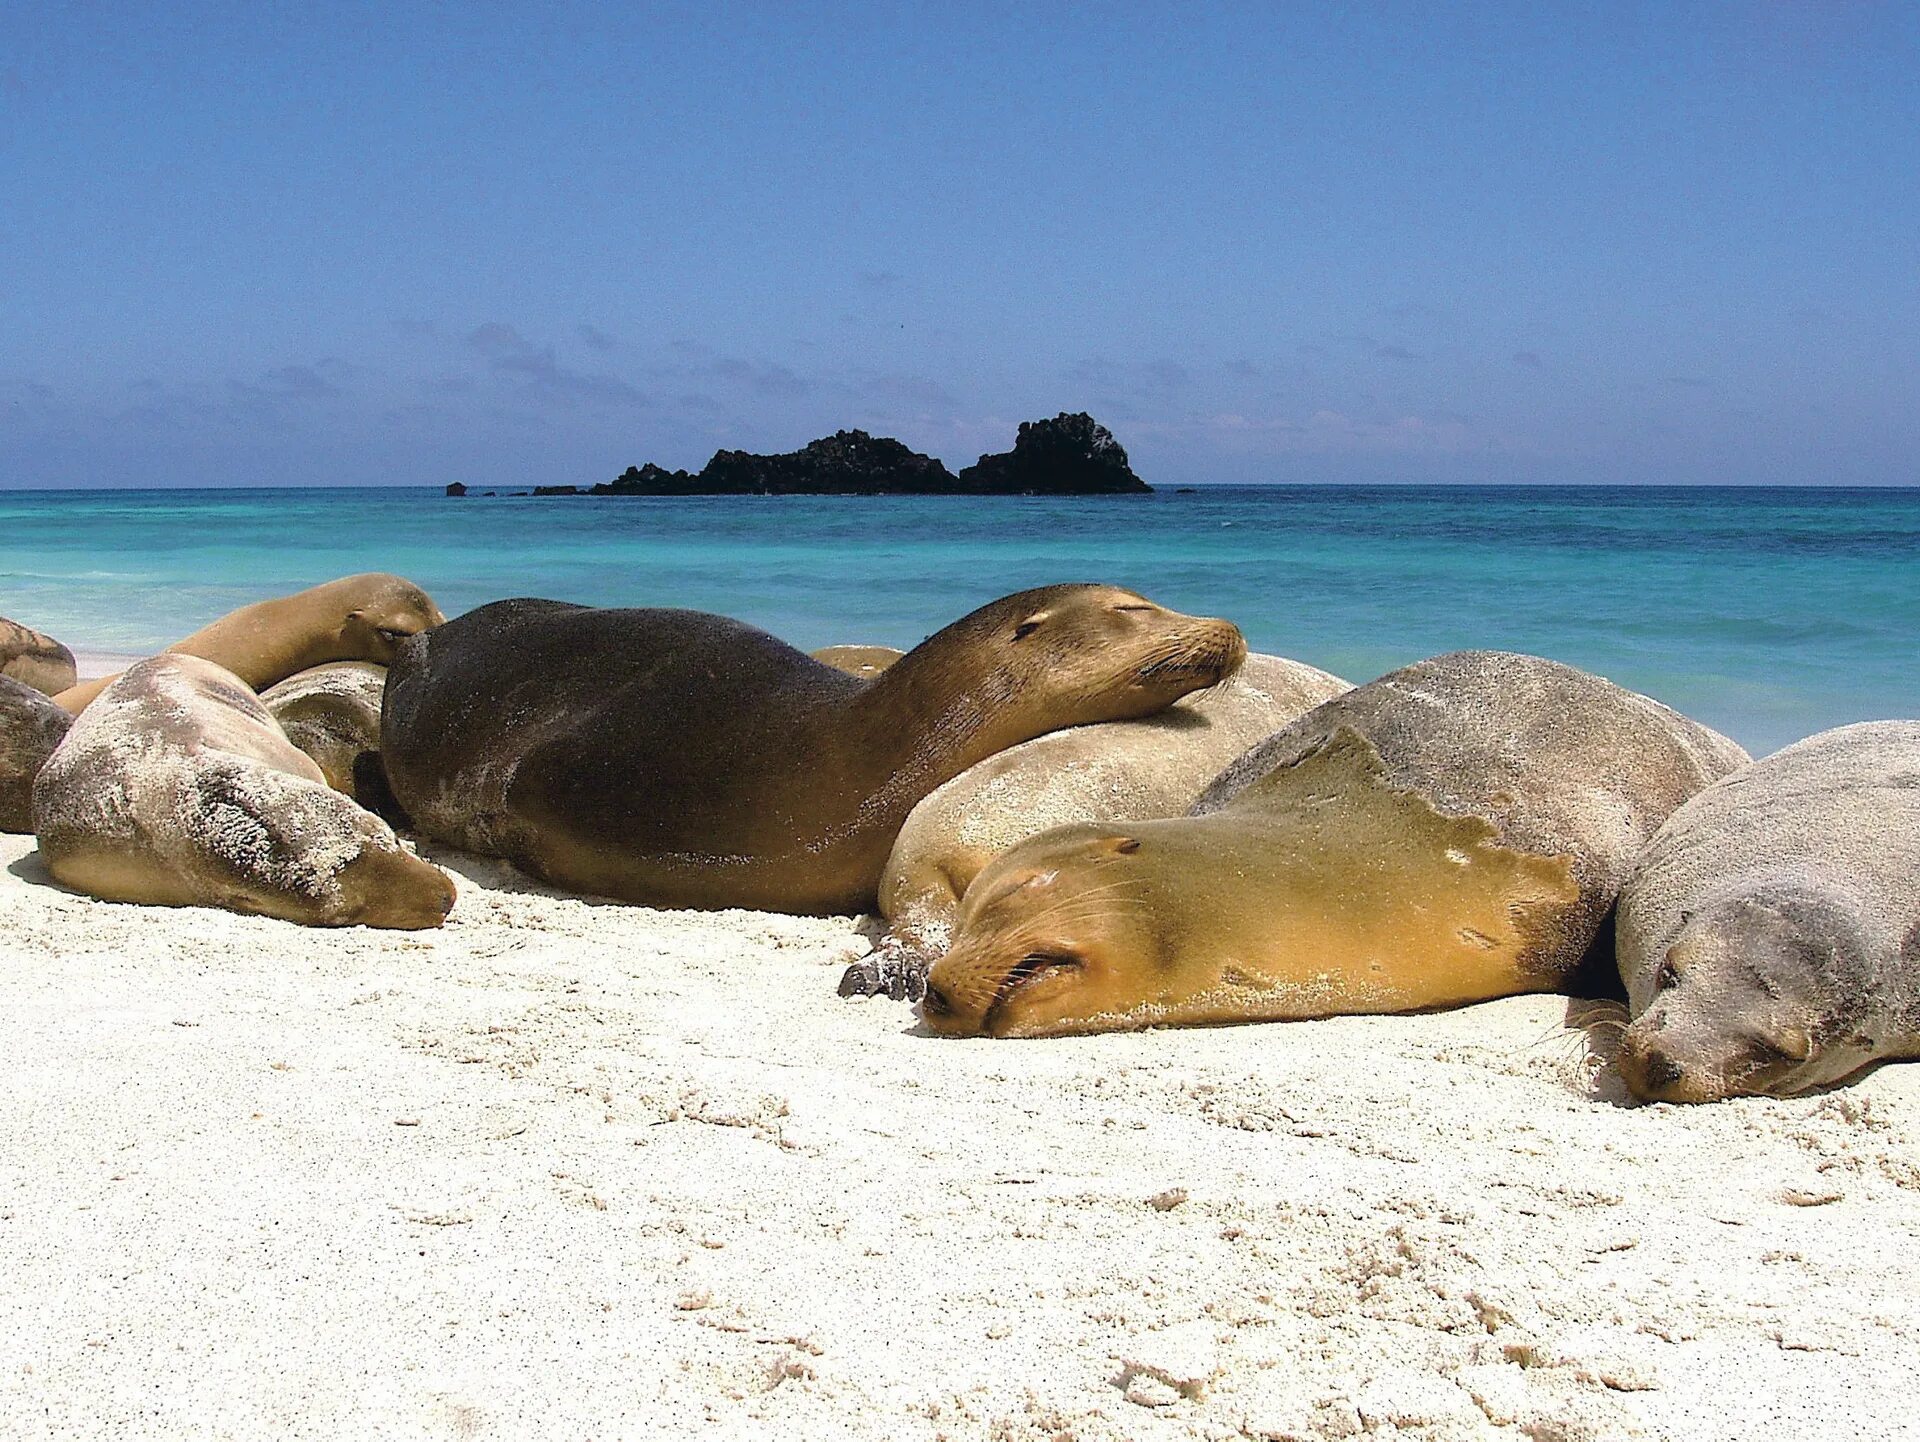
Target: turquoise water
[(1769, 614)]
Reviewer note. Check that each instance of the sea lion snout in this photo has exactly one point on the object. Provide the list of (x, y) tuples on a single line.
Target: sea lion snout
[(1652, 1074), (395, 890), (1203, 651)]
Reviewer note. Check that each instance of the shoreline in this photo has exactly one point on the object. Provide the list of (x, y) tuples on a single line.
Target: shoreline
[(574, 1167)]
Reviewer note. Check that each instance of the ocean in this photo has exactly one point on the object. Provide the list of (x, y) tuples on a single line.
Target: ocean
[(1767, 613)]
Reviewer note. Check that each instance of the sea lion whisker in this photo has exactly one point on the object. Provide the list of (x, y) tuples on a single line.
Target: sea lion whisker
[(1084, 903)]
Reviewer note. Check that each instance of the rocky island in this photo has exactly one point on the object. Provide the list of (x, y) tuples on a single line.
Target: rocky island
[(1072, 454)]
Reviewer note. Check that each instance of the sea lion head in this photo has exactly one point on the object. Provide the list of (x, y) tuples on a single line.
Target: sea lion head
[(1066, 932), (1113, 653), (388, 886), (384, 611), (1760, 994)]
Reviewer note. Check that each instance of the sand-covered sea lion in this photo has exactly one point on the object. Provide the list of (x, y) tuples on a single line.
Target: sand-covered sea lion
[(177, 788), (1769, 936), (683, 759), (1453, 831), (1114, 771), (356, 618), (30, 727), (35, 660), (866, 662), (332, 713)]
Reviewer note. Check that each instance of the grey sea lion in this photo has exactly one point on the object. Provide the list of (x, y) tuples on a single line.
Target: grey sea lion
[(31, 725), (1769, 936), (177, 788), (866, 662), (1114, 771), (683, 759), (1456, 830), (356, 618), (35, 660), (332, 713)]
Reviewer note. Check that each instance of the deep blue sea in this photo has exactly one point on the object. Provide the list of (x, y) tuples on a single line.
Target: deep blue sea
[(1769, 614)]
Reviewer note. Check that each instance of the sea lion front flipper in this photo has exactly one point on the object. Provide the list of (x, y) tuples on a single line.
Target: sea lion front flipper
[(893, 969)]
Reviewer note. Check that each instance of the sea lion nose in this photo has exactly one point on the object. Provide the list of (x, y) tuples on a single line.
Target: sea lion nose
[(936, 1003), (1657, 1072)]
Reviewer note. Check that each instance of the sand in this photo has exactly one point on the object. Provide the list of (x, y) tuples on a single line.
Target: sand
[(575, 1170)]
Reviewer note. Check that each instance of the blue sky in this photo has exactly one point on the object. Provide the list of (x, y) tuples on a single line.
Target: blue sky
[(404, 243)]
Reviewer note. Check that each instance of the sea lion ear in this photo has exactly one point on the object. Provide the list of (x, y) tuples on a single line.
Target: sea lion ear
[(1120, 845), (1027, 627)]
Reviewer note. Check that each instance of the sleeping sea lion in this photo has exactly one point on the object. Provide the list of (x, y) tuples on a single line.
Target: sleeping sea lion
[(1453, 831), (866, 662), (1115, 771), (356, 618), (332, 713), (177, 788), (1769, 936), (30, 727), (35, 660), (682, 759)]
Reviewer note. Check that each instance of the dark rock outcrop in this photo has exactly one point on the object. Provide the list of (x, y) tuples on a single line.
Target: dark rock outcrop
[(649, 480), (846, 462), (1072, 454)]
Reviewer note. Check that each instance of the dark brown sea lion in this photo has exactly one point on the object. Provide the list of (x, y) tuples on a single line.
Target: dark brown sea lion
[(356, 618), (36, 660), (683, 759), (1116, 771), (1453, 831), (176, 788), (30, 727), (1769, 936), (866, 662)]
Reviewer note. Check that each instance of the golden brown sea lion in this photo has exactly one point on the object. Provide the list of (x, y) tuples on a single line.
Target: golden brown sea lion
[(1769, 936), (35, 660), (176, 788), (30, 727), (1115, 771), (356, 618), (1453, 831), (683, 759), (866, 662), (332, 713)]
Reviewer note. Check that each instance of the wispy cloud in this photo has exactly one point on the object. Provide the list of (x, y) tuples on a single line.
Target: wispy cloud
[(540, 373)]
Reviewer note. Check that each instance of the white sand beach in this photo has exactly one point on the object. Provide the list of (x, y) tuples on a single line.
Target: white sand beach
[(575, 1170)]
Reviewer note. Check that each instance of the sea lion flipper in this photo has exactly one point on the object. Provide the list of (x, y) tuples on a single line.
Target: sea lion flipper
[(892, 969)]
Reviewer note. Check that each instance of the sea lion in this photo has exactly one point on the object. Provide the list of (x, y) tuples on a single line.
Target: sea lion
[(1453, 831), (36, 660), (356, 618), (683, 759), (177, 788), (332, 713), (1115, 771), (1769, 936), (866, 662), (30, 727)]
